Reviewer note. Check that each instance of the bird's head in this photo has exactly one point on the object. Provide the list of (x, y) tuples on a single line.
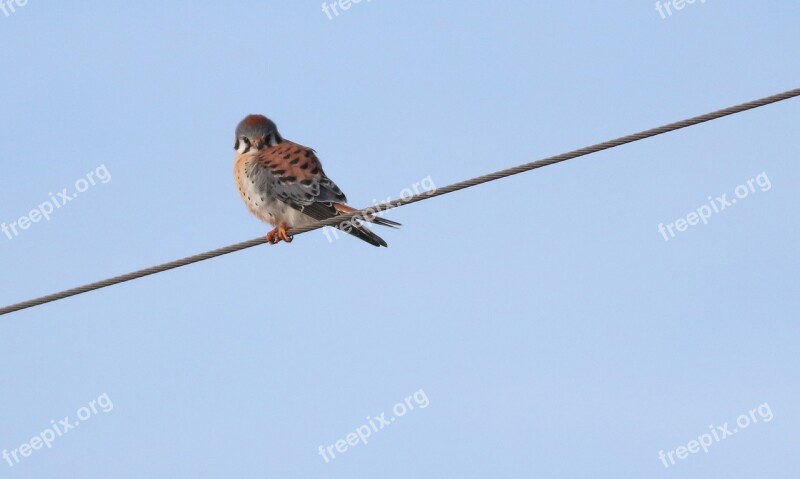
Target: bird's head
[(256, 132)]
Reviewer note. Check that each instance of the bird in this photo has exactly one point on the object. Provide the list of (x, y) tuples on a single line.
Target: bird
[(283, 184)]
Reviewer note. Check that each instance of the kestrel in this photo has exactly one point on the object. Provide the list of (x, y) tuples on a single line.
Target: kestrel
[(283, 184)]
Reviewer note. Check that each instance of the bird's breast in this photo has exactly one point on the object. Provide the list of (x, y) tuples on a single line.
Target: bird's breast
[(258, 199)]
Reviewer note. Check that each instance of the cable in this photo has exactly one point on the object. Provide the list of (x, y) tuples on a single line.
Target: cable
[(413, 199)]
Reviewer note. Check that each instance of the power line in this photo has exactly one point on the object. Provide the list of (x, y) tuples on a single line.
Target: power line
[(343, 219)]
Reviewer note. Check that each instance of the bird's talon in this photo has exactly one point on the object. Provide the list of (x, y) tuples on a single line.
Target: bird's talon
[(279, 234)]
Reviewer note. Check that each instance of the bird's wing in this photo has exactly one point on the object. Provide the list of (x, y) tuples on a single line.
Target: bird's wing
[(293, 173)]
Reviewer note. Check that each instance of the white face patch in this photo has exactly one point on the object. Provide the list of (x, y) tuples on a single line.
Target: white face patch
[(247, 146), (243, 146)]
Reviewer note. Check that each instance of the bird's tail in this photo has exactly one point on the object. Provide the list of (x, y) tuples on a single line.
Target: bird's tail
[(344, 209), (365, 234), (384, 222), (359, 230)]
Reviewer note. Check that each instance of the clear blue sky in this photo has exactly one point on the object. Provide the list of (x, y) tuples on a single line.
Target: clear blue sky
[(546, 324)]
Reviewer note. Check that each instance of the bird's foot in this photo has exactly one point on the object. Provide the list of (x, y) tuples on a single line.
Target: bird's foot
[(279, 234)]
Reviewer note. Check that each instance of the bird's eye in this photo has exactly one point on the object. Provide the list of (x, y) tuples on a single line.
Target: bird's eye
[(246, 140)]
